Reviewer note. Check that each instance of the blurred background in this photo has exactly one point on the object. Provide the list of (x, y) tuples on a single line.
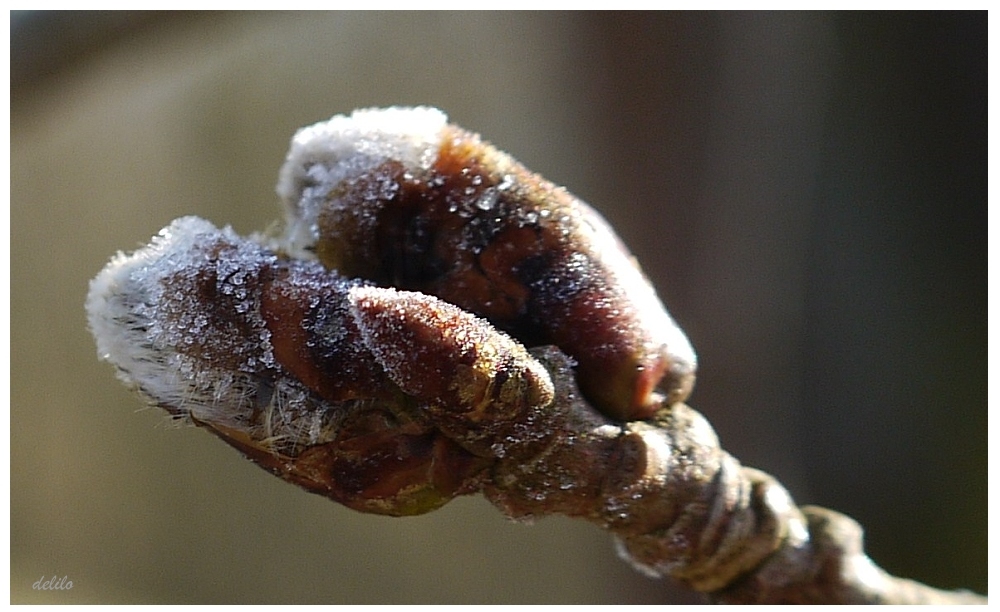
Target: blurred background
[(808, 191)]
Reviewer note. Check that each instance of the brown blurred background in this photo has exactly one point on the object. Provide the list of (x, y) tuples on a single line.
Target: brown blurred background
[(807, 190)]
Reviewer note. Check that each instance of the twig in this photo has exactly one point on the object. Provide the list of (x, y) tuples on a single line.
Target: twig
[(394, 402), (682, 507)]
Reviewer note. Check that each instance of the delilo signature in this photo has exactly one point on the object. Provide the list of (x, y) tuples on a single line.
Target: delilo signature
[(55, 583)]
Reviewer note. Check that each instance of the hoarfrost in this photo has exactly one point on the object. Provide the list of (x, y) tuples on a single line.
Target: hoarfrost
[(325, 155), (181, 321)]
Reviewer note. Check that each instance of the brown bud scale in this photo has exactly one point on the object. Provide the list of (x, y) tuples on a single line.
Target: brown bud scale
[(325, 382), (477, 229)]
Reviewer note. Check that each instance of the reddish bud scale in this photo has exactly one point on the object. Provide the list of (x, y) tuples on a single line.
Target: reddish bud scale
[(322, 381), (473, 380), (302, 310), (315, 338), (477, 229), (375, 464)]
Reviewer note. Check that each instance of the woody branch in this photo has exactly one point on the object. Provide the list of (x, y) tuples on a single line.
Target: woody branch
[(682, 507)]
